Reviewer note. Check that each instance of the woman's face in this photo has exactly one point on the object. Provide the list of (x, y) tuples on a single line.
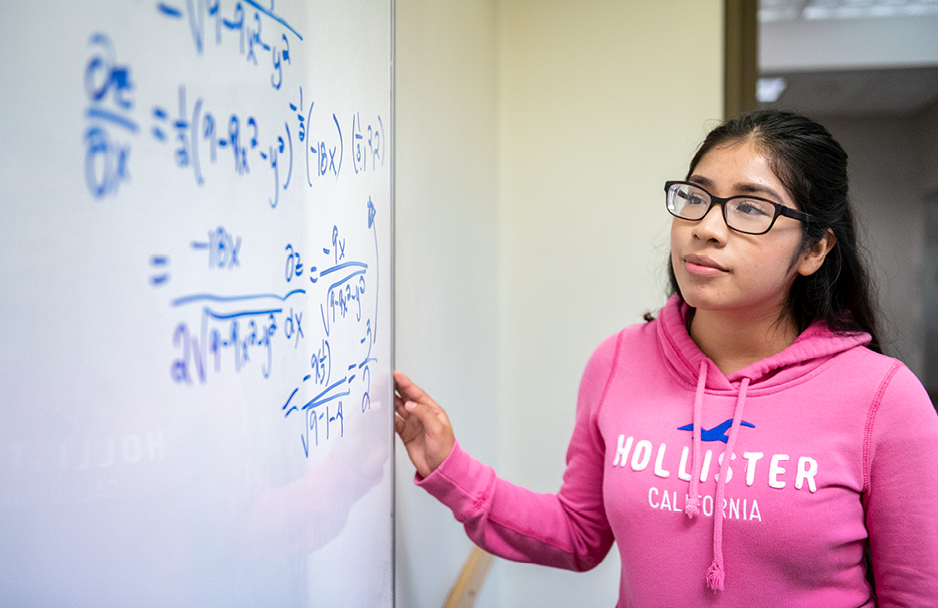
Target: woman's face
[(723, 270)]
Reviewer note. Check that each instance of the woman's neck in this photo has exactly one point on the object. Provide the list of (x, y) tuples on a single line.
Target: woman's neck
[(734, 341)]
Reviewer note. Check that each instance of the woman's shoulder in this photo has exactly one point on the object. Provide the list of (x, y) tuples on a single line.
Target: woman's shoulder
[(897, 398), (900, 390), (642, 340), (887, 371), (609, 359), (624, 345)]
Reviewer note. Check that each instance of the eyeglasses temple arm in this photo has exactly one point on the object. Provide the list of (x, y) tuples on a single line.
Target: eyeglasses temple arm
[(798, 215)]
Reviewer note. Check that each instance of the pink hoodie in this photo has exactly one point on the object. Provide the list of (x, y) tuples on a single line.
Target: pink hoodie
[(816, 455)]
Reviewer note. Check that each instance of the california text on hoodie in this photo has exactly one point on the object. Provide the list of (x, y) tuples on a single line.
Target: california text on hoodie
[(803, 462)]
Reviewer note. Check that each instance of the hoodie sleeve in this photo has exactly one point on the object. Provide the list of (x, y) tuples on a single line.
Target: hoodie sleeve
[(568, 529), (901, 461)]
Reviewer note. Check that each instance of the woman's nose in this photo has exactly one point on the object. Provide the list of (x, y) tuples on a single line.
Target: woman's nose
[(712, 226)]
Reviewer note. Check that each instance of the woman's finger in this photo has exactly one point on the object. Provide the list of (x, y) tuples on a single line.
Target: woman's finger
[(408, 390)]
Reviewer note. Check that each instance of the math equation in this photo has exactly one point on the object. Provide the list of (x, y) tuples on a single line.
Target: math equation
[(293, 299)]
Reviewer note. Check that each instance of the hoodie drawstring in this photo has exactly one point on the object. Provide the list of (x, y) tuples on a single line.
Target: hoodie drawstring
[(692, 506), (716, 573)]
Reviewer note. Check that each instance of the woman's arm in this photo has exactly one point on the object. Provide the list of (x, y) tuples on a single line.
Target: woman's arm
[(901, 453), (567, 530)]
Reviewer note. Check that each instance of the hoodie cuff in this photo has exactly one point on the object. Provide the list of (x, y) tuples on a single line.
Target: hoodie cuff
[(458, 482)]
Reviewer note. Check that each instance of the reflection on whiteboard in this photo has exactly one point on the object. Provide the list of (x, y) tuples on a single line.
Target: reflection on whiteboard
[(195, 272)]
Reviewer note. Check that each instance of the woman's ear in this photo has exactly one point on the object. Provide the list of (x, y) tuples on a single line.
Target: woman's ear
[(811, 260)]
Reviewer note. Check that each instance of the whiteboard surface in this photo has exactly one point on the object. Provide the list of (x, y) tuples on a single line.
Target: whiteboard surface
[(195, 273)]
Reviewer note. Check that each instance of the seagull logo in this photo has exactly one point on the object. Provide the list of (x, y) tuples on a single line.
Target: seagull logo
[(717, 433)]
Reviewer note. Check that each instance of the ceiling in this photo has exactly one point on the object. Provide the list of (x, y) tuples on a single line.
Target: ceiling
[(773, 10), (851, 90)]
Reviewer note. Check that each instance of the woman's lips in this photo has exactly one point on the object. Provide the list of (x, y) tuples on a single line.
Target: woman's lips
[(702, 265)]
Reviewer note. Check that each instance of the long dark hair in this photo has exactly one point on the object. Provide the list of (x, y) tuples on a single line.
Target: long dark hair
[(813, 167)]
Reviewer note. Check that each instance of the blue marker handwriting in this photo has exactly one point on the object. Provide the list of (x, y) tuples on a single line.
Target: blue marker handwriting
[(227, 327), (108, 85), (249, 25), (330, 380), (199, 133), (160, 263), (319, 409), (222, 247), (261, 147)]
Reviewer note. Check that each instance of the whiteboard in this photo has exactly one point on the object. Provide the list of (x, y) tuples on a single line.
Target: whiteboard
[(195, 303)]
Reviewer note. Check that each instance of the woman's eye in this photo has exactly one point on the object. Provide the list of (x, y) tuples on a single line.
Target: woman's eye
[(695, 200), (752, 208)]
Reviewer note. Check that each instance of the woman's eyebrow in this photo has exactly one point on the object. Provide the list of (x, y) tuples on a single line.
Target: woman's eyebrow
[(742, 188), (748, 188)]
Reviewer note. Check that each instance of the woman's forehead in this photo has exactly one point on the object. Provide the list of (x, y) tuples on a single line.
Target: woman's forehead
[(741, 167)]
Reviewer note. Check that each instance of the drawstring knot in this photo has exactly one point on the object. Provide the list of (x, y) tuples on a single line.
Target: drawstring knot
[(692, 507), (715, 576)]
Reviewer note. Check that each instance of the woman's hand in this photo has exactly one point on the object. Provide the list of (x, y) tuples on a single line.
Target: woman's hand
[(422, 425)]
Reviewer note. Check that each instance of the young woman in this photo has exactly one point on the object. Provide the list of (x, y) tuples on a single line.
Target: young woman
[(750, 446)]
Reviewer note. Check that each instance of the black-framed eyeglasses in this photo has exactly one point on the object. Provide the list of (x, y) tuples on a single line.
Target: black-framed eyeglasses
[(743, 213)]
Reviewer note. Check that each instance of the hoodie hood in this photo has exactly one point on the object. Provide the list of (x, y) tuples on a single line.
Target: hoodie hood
[(810, 350), (814, 347)]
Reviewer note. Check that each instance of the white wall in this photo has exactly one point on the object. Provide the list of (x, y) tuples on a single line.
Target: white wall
[(446, 287), (532, 142)]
